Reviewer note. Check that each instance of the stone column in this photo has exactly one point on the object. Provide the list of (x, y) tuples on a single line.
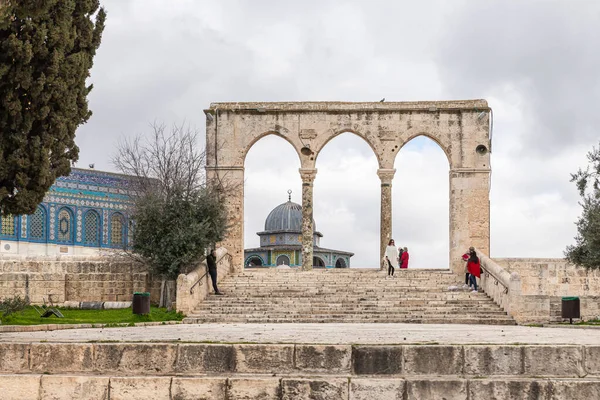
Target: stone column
[(232, 179), (386, 175), (308, 176), (469, 214)]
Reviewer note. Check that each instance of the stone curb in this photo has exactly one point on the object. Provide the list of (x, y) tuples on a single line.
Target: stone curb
[(61, 387), (151, 359), (58, 327)]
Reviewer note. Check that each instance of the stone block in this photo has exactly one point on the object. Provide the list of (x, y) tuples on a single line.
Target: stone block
[(514, 389), (254, 389), (380, 389), (592, 360), (377, 360), (19, 387), (14, 357), (429, 389), (433, 360), (560, 361), (314, 389), (269, 358), (199, 389), (574, 389), (493, 360), (140, 388), (202, 358), (138, 358), (323, 358), (57, 387), (61, 357)]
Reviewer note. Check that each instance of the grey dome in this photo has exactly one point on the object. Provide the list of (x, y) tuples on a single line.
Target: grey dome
[(286, 217)]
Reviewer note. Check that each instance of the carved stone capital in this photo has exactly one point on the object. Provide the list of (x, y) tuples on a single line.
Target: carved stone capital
[(386, 175), (308, 174)]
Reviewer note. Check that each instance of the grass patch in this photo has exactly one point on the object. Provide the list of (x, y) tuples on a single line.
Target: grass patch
[(75, 316)]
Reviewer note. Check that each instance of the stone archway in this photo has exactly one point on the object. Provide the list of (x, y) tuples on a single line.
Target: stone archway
[(461, 128)]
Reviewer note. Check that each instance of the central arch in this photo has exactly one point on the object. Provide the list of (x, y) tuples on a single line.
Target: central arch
[(461, 128)]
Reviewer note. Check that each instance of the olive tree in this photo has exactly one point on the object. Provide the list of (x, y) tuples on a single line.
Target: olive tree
[(176, 215), (586, 251)]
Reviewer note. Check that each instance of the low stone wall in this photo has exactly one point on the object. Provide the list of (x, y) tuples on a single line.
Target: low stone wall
[(537, 286), (73, 278), (193, 288)]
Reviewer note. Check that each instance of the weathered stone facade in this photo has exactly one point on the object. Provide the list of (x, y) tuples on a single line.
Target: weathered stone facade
[(461, 128), (75, 278)]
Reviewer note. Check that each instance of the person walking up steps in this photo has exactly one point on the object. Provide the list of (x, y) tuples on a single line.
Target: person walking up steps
[(211, 262), (391, 256)]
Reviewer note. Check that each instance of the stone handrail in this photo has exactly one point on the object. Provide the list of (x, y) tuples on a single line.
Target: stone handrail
[(192, 289), (500, 285)]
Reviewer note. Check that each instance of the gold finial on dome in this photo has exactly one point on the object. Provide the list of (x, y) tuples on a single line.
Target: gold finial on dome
[(289, 194)]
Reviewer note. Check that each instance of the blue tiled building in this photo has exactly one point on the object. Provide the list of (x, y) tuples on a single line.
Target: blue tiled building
[(81, 214), (281, 242)]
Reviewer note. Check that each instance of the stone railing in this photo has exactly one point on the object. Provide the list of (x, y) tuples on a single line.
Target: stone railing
[(193, 288), (502, 286)]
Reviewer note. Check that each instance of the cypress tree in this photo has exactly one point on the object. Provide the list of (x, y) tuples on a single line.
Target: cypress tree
[(46, 52)]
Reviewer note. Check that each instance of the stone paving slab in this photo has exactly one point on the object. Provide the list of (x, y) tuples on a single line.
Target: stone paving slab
[(319, 334)]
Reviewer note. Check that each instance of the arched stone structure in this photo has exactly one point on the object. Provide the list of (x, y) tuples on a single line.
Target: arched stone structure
[(461, 128)]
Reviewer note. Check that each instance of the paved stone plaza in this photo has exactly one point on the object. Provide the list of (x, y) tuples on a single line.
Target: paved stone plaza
[(321, 334)]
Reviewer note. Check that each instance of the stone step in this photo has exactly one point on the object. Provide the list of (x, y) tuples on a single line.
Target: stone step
[(155, 359), (120, 387), (237, 318)]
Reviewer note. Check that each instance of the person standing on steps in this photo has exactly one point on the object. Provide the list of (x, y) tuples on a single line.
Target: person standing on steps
[(465, 258), (211, 262), (474, 268), (391, 256), (400, 251), (404, 259)]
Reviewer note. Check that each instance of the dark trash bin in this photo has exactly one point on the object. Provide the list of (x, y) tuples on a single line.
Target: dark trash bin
[(570, 308), (141, 303)]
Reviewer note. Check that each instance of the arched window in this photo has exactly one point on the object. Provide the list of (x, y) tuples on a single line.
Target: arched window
[(117, 233), (283, 260), (8, 226), (37, 224), (65, 226), (318, 262), (340, 263), (91, 224)]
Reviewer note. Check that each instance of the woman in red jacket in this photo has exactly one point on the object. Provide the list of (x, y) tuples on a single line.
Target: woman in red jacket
[(474, 268), (404, 259)]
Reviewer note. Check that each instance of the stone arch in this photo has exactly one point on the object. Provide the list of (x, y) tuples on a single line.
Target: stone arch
[(283, 259), (356, 133), (436, 139), (255, 257), (458, 126), (264, 134), (318, 262)]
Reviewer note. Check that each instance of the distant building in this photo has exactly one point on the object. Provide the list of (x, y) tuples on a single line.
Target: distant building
[(281, 242), (81, 214)]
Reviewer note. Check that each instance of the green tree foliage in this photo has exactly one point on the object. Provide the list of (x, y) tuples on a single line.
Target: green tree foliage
[(46, 52), (176, 215), (586, 251)]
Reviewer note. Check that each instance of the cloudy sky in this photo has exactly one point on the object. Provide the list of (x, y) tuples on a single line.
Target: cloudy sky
[(536, 62)]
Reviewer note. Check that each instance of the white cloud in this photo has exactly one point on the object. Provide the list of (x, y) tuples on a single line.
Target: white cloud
[(536, 63)]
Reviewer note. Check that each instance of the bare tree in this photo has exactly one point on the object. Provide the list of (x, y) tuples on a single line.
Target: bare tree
[(177, 216)]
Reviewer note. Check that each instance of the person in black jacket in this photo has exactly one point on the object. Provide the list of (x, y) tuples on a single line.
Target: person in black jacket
[(211, 261)]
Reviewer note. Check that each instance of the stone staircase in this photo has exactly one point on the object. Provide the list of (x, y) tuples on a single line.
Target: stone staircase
[(348, 295)]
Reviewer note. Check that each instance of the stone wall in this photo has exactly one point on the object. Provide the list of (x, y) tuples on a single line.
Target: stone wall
[(75, 279), (543, 283)]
